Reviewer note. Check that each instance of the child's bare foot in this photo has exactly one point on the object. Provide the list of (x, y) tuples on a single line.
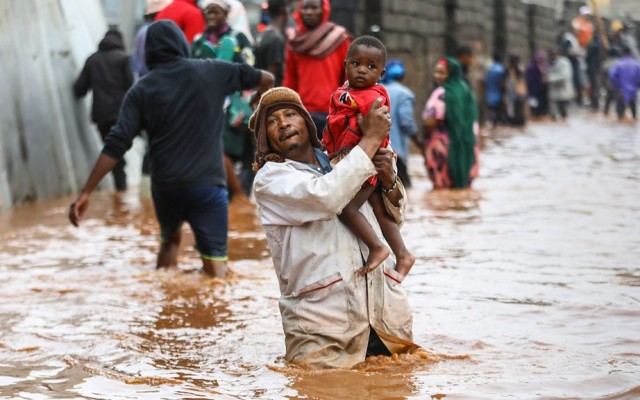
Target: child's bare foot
[(377, 255), (404, 263)]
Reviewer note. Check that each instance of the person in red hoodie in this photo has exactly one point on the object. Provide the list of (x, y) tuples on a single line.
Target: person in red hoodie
[(314, 58), (187, 15)]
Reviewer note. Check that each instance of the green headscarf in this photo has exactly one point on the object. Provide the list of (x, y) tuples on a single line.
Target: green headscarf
[(461, 113)]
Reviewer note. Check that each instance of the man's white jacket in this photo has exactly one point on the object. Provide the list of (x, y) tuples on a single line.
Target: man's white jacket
[(328, 308)]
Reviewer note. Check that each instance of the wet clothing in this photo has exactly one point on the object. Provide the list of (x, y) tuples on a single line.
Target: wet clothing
[(204, 208), (179, 104), (107, 73), (314, 60), (187, 15), (461, 118), (327, 309), (118, 172), (436, 150), (342, 132)]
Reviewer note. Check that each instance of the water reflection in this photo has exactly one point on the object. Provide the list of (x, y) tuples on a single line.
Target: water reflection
[(457, 201), (352, 385), (526, 286)]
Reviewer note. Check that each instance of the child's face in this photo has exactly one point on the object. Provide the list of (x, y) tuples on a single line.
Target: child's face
[(364, 67)]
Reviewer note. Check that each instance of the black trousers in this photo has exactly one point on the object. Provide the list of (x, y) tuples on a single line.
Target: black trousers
[(376, 347), (559, 107), (119, 176), (403, 174), (621, 107)]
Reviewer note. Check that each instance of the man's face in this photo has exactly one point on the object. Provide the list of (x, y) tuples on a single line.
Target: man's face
[(287, 133), (364, 67), (466, 59), (311, 13)]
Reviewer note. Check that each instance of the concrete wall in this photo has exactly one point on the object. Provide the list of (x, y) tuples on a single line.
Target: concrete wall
[(421, 31), (622, 9)]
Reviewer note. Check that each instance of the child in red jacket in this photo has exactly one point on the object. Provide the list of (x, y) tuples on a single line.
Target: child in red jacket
[(364, 66)]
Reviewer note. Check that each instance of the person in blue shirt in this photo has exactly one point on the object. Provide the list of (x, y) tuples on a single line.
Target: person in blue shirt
[(494, 83), (403, 123)]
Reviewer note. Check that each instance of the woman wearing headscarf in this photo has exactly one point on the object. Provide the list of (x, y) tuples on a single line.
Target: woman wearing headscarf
[(536, 77), (222, 42), (515, 92), (451, 127)]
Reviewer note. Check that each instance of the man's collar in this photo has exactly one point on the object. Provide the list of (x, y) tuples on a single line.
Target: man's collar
[(323, 160)]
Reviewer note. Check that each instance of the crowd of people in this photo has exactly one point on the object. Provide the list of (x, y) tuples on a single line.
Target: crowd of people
[(588, 67), (324, 153)]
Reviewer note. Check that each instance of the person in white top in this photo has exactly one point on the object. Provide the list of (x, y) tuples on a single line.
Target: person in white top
[(332, 316), (237, 19)]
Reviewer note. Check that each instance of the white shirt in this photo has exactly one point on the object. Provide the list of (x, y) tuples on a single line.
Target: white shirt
[(327, 308)]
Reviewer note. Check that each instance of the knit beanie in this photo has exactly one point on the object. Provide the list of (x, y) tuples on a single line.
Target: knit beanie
[(272, 100)]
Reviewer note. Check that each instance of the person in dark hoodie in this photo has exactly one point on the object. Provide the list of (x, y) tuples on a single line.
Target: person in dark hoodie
[(108, 74), (179, 103)]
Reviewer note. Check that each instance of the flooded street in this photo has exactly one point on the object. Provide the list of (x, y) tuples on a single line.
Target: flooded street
[(526, 286)]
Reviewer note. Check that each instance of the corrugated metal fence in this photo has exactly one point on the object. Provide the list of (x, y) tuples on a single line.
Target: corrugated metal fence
[(47, 144)]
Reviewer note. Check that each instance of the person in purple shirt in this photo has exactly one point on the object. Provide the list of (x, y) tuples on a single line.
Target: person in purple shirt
[(537, 85), (625, 78)]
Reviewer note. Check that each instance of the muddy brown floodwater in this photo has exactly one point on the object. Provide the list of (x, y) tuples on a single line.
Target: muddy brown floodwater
[(526, 287)]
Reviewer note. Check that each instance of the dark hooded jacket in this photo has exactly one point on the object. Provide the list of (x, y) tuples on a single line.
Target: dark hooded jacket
[(179, 104), (107, 73)]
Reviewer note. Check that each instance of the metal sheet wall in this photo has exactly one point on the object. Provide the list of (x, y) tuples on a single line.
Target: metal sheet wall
[(47, 144)]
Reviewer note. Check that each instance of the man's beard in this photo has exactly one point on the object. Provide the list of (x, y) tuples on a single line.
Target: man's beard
[(293, 147)]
